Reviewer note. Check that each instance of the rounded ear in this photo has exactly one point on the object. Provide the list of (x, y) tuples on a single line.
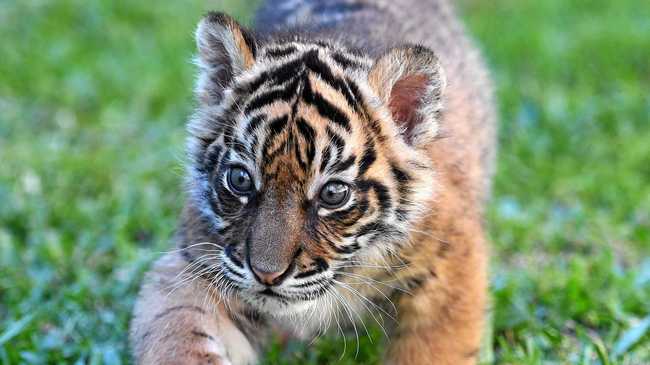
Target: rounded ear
[(226, 49), (410, 81)]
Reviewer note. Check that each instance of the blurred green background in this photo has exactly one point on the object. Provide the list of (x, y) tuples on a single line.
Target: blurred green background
[(93, 100)]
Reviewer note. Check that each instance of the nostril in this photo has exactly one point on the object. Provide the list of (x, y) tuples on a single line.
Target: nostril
[(269, 278)]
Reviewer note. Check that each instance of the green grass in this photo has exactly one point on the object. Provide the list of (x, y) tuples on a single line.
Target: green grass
[(93, 100)]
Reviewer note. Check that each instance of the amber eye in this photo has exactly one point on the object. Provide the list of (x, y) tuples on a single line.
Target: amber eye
[(334, 194), (240, 180)]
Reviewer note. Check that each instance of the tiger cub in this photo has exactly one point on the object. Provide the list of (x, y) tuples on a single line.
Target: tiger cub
[(339, 163)]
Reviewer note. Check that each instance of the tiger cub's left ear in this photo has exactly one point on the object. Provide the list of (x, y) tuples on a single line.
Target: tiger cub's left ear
[(226, 49), (410, 82)]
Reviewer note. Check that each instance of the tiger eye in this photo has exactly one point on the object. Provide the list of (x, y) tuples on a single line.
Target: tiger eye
[(334, 194), (240, 180)]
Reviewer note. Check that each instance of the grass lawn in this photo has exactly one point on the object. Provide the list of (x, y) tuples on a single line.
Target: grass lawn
[(93, 100)]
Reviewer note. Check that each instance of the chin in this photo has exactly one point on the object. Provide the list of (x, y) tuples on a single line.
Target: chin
[(277, 306)]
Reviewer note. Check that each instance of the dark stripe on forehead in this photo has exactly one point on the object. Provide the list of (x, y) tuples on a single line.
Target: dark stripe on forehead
[(274, 128), (268, 156), (345, 62), (270, 97), (322, 70), (325, 158), (254, 123), (309, 134), (336, 140), (305, 129), (325, 108), (278, 75), (301, 162), (280, 52)]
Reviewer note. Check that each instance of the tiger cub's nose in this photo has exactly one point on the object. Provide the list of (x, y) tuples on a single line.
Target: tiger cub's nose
[(269, 278)]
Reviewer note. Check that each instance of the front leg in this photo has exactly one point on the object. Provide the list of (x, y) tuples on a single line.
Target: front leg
[(176, 323), (441, 323)]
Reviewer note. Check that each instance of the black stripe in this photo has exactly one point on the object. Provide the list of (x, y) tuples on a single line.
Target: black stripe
[(242, 149), (325, 108), (211, 158), (403, 179), (298, 153), (401, 176), (344, 61), (254, 123), (268, 157), (307, 284), (368, 158), (320, 68), (341, 166), (312, 294), (280, 52), (380, 190), (249, 38), (309, 134), (276, 126), (233, 272), (232, 257), (252, 85), (287, 71), (270, 97), (372, 227), (325, 157), (307, 274), (347, 249), (277, 75), (320, 266), (336, 140), (345, 214)]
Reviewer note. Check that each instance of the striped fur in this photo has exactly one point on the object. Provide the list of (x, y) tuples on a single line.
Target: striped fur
[(295, 113)]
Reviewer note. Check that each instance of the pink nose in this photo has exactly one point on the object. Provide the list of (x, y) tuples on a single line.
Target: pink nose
[(268, 278)]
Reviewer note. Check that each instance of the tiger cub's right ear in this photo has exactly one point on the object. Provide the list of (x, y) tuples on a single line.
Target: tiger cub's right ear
[(226, 49)]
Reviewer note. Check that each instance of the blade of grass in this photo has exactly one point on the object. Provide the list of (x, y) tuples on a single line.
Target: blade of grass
[(15, 328), (630, 337)]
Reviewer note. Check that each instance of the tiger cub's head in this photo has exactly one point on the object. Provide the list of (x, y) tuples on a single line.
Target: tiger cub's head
[(307, 158)]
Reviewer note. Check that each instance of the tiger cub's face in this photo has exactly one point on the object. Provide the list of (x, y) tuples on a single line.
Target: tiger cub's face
[(307, 160)]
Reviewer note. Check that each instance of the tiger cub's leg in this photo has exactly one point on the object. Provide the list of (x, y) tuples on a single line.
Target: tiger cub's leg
[(176, 323), (441, 323)]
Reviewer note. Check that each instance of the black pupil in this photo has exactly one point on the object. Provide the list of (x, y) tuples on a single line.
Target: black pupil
[(240, 180), (334, 193)]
